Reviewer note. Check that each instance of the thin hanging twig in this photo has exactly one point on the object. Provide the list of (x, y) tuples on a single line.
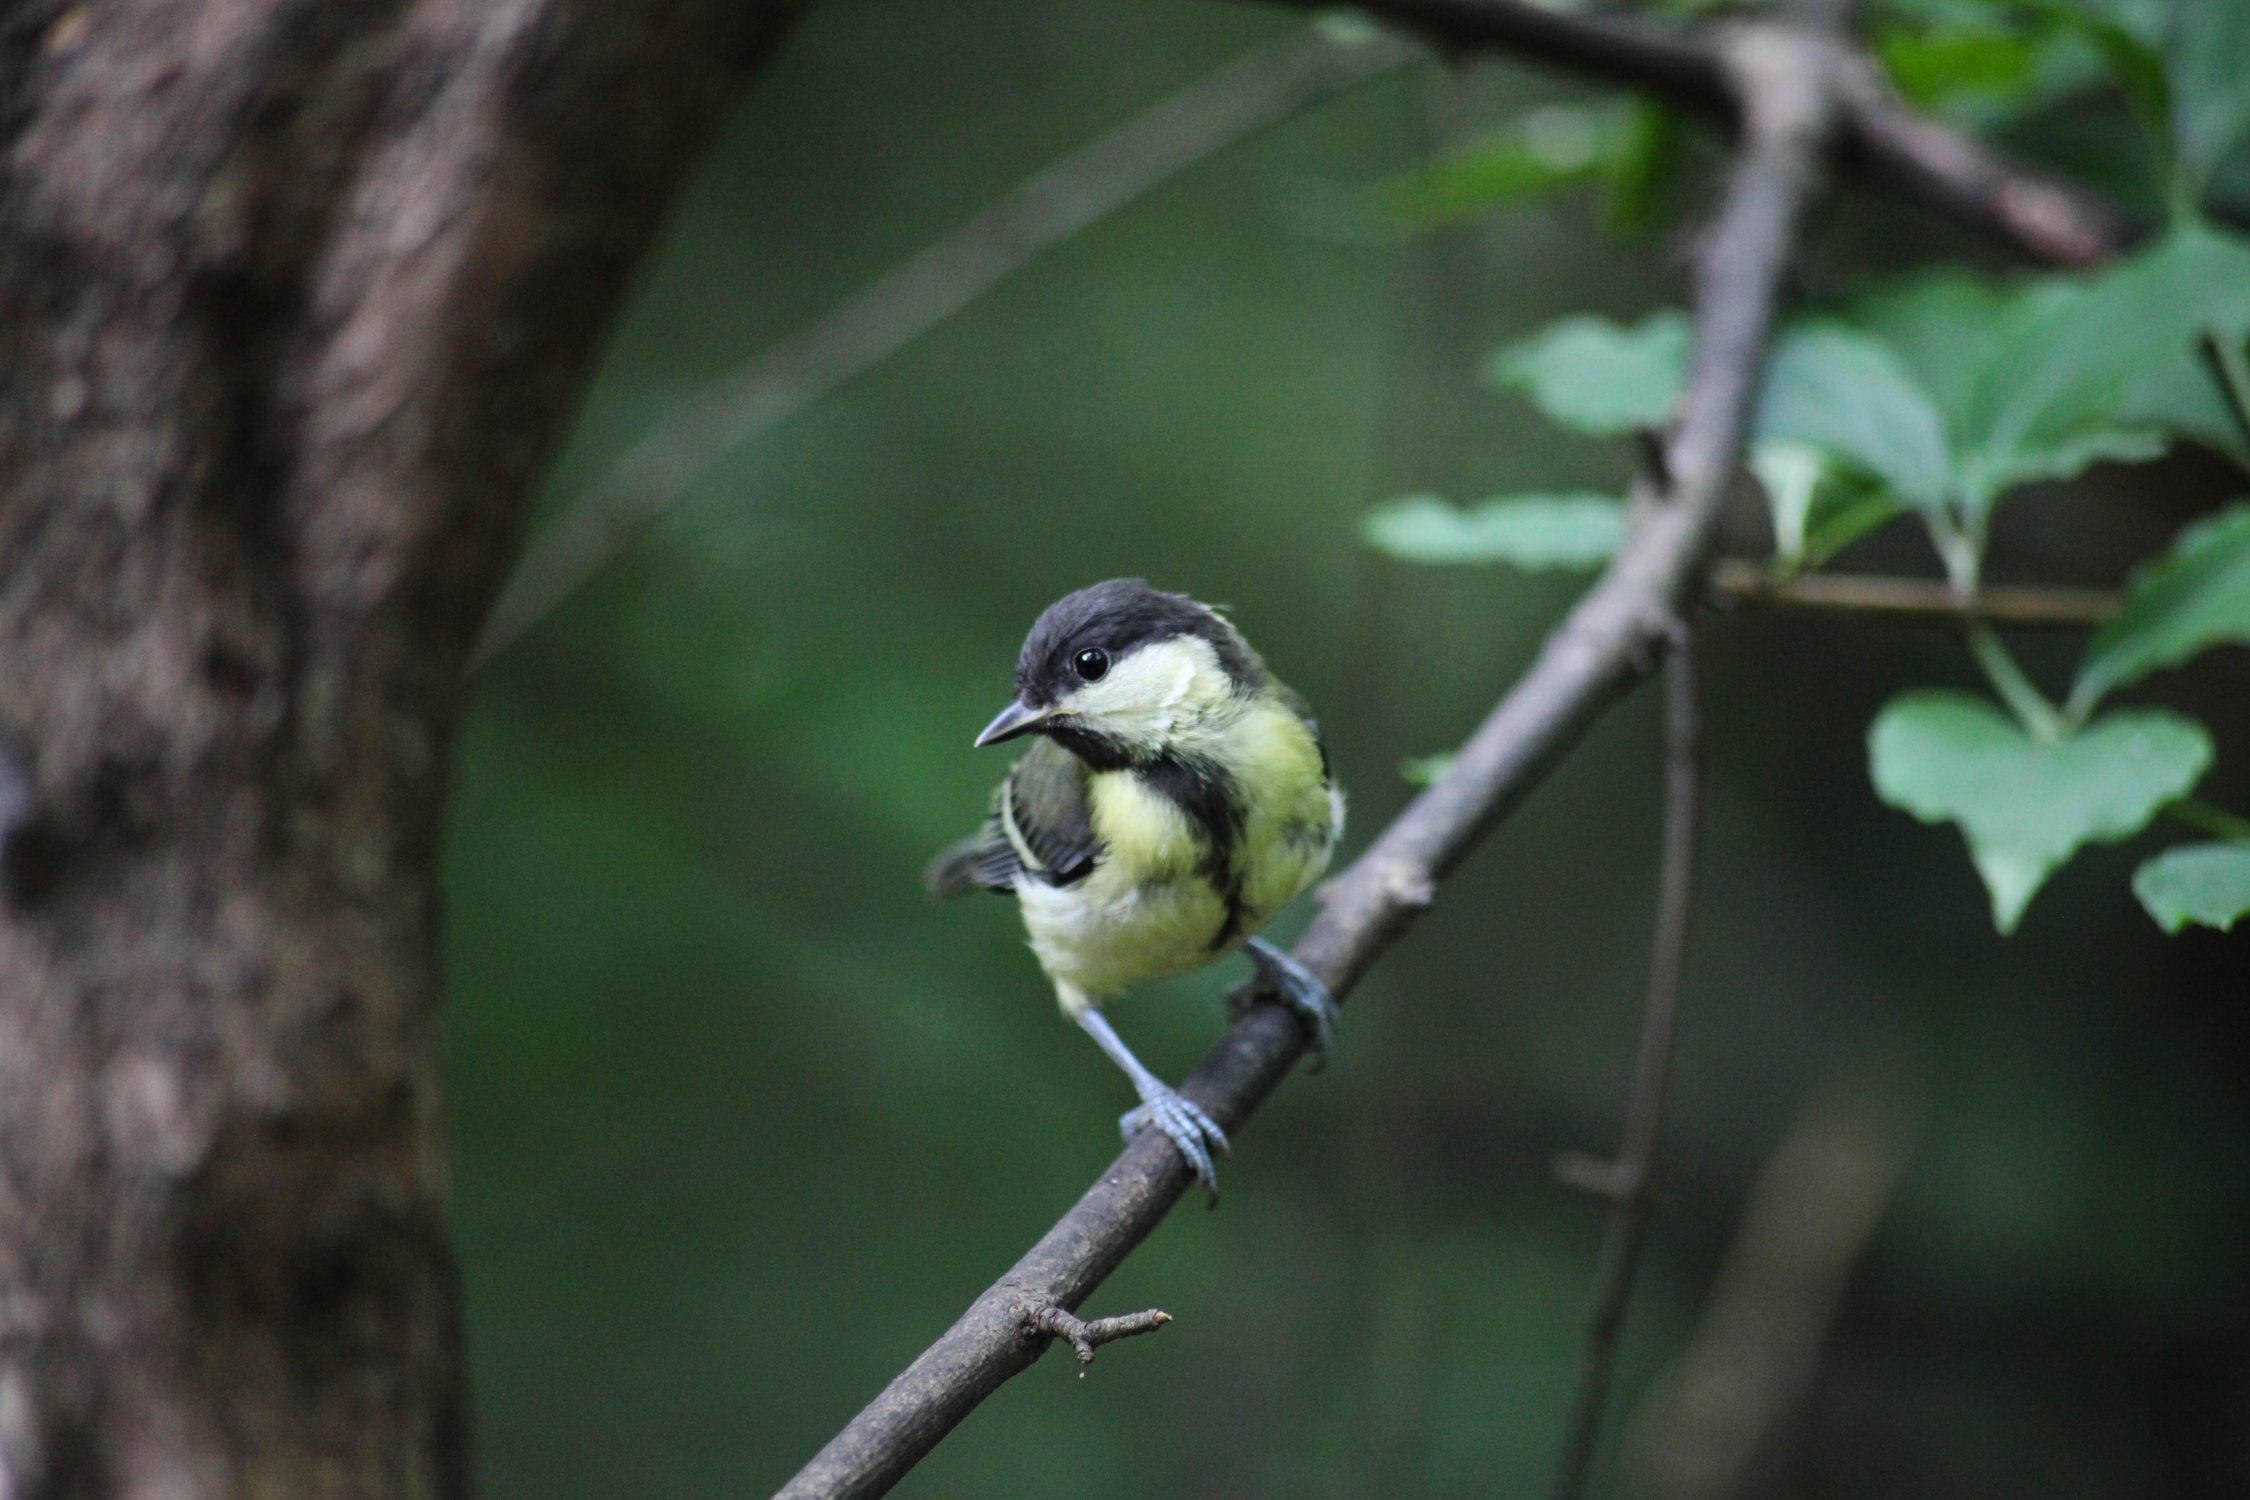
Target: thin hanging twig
[(1629, 1177)]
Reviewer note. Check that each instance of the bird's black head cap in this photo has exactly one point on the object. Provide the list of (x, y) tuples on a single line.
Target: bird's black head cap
[(1119, 617)]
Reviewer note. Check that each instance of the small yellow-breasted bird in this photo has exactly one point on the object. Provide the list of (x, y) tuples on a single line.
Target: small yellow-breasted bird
[(1177, 797)]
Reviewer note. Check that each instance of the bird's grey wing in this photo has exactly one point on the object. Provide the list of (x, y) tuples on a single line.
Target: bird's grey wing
[(984, 861), (1044, 816), (1039, 826)]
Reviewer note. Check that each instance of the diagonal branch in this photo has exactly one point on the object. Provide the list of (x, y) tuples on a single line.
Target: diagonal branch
[(1952, 173), (1616, 632), (1058, 203)]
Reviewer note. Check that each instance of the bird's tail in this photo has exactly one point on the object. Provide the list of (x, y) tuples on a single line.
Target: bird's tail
[(976, 863)]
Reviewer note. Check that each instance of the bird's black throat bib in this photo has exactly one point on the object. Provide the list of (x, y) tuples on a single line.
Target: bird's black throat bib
[(1212, 801)]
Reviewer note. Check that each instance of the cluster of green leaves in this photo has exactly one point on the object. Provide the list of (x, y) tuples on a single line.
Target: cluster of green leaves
[(1936, 397), (1934, 400)]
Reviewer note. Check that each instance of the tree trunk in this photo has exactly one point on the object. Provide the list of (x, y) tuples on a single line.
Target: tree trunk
[(294, 295)]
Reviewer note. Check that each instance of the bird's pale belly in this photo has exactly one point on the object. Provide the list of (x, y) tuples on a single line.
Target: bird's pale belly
[(1106, 933)]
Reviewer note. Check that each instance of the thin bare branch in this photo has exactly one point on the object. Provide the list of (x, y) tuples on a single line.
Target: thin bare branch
[(1630, 1174), (1737, 582), (1952, 173), (937, 281), (1613, 635)]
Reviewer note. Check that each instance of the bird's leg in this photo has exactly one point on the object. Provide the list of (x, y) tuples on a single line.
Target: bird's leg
[(1195, 1133), (1298, 988)]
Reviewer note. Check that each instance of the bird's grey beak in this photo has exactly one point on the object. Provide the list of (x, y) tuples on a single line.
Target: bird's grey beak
[(1017, 718)]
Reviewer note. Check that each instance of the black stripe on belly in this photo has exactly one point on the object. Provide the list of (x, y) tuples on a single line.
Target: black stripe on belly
[(1207, 795)]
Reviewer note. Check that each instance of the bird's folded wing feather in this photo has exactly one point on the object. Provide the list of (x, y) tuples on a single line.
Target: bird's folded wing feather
[(1040, 827)]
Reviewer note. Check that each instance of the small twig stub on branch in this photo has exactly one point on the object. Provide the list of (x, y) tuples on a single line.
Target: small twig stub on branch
[(1084, 1336)]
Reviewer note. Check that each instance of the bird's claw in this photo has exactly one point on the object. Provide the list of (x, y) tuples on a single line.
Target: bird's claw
[(1298, 988), (1196, 1135)]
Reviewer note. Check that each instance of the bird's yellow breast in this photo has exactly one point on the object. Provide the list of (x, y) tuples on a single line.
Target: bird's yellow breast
[(1149, 909), (1290, 817), (1141, 830)]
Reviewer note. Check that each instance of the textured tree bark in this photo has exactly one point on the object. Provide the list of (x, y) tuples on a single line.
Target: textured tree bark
[(293, 298)]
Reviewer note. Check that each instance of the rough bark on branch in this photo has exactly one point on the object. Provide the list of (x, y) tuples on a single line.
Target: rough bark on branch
[(1618, 631), (293, 297)]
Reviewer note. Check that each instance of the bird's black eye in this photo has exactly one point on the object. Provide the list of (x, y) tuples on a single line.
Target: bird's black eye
[(1092, 663)]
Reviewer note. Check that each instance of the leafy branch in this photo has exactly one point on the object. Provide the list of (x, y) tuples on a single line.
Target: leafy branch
[(1939, 401), (1920, 158), (1914, 155)]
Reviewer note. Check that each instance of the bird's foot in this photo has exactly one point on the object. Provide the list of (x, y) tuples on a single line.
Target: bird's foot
[(1195, 1133), (1298, 988)]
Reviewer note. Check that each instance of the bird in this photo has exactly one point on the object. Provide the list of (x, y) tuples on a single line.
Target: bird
[(1176, 795)]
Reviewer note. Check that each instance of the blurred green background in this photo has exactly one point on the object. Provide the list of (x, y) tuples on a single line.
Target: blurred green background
[(744, 1119)]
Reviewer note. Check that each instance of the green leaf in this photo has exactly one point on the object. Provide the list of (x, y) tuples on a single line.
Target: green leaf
[(2048, 384), (1938, 67), (1986, 65), (1819, 506), (2206, 884), (2209, 53), (1644, 165), (2125, 38), (1594, 377), (2026, 805), (1537, 153), (2184, 399), (1946, 327), (1790, 473), (1942, 325), (2196, 595), (2066, 456), (1842, 513), (2142, 20), (1843, 390), (1528, 531)]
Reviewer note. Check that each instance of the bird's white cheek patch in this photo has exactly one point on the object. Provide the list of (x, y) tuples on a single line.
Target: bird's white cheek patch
[(1151, 692)]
